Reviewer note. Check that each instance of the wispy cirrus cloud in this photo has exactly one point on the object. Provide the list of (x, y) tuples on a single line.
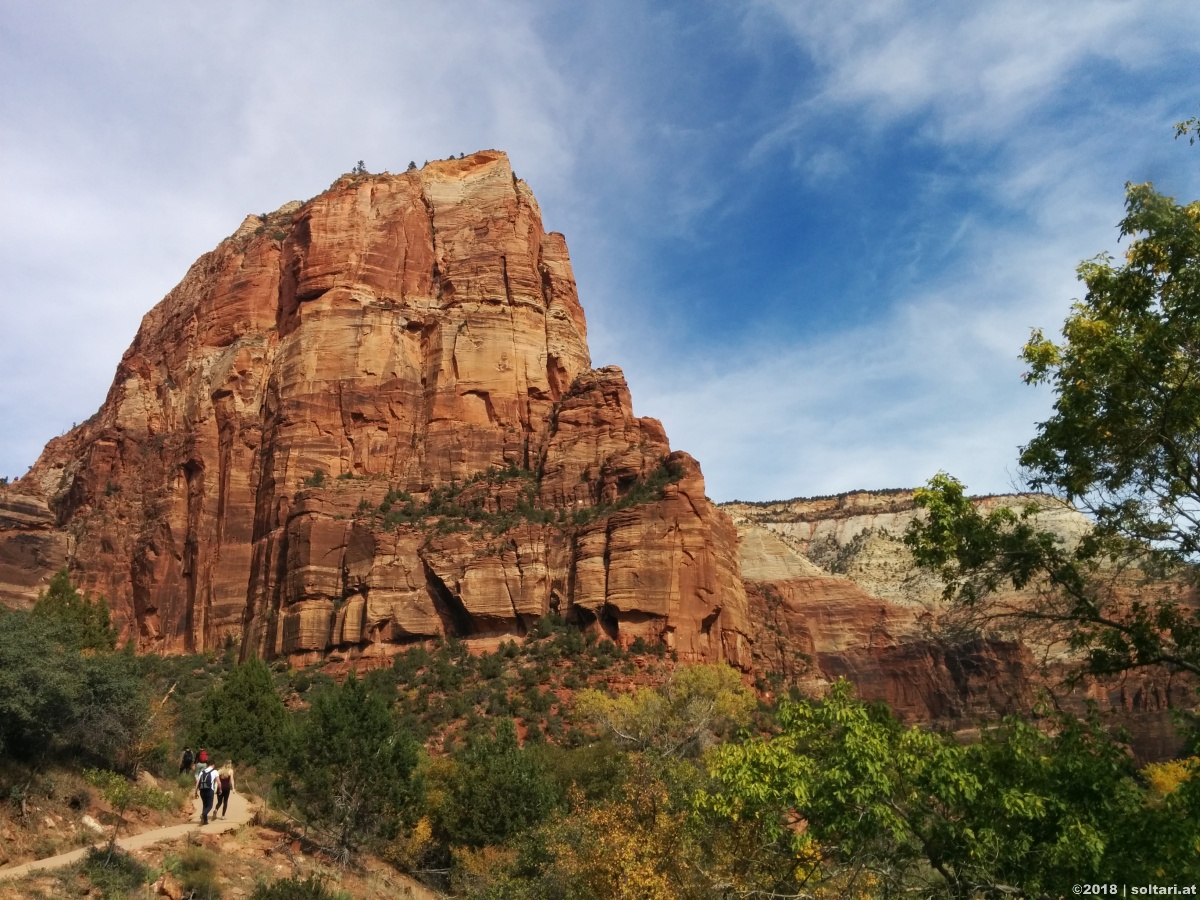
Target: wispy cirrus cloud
[(979, 69), (1016, 124), (815, 236)]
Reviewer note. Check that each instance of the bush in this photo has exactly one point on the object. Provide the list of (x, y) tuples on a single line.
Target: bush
[(243, 716), (491, 665), (114, 874), (539, 702), (499, 790), (81, 623), (348, 771), (198, 873), (406, 665), (597, 771), (294, 888), (569, 643), (54, 699)]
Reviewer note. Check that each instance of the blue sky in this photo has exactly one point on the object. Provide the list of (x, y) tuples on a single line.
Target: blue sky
[(814, 235)]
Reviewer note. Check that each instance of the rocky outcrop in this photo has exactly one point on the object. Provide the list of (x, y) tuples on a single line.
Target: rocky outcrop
[(32, 547), (369, 419)]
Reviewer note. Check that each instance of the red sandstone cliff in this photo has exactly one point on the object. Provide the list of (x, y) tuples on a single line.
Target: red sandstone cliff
[(369, 419)]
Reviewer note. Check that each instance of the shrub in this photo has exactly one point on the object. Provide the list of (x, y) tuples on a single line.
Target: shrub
[(697, 707), (81, 623), (406, 665), (348, 771), (539, 702), (500, 790), (53, 698), (114, 874), (316, 479), (295, 888), (491, 665), (569, 643), (198, 873)]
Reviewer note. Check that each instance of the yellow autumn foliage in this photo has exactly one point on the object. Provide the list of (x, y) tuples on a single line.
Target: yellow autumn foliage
[(1165, 777), (626, 849), (696, 707), (407, 849)]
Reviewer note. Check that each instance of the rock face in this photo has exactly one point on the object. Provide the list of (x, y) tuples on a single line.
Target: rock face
[(371, 419), (31, 544), (833, 592)]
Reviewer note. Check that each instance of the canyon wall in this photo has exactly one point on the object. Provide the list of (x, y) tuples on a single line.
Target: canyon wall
[(370, 419), (833, 592)]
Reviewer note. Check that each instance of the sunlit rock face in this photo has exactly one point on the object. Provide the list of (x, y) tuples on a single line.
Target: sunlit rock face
[(371, 419)]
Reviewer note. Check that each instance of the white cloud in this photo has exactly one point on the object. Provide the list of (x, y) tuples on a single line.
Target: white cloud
[(138, 135), (933, 382), (934, 385), (977, 69)]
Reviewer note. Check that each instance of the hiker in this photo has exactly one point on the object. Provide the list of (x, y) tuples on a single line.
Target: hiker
[(185, 764), (206, 783), (224, 789)]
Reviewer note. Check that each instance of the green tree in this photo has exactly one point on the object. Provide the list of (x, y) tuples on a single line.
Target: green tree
[(347, 771), (495, 790), (55, 698), (243, 716), (1123, 445), (1021, 813), (84, 624)]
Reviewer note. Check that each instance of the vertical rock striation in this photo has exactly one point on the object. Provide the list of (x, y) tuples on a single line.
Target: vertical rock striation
[(370, 419)]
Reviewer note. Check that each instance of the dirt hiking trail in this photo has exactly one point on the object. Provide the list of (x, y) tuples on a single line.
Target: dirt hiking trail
[(240, 812)]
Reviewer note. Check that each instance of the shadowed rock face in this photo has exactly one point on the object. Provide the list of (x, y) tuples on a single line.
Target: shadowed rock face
[(414, 336), (833, 592)]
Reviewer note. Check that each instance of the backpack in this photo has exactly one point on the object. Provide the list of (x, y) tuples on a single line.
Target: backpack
[(208, 780)]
